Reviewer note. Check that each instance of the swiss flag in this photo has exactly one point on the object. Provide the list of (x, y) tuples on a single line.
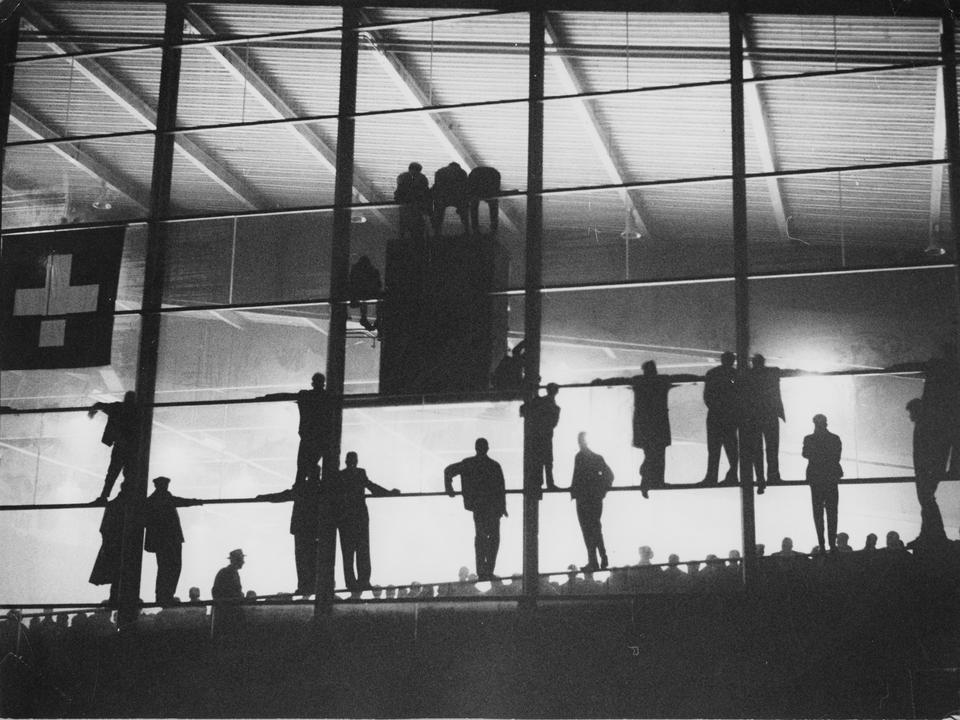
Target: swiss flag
[(57, 295)]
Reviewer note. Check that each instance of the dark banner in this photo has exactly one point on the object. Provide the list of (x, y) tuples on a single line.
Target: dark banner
[(57, 295)]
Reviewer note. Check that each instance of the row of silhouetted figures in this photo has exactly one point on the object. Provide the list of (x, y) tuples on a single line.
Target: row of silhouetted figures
[(743, 415)]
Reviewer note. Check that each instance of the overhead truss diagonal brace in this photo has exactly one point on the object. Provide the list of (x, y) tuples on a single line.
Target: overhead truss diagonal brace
[(404, 80), (757, 116), (93, 71), (277, 106), (573, 85)]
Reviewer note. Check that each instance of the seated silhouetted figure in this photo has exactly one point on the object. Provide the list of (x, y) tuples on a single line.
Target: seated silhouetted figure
[(870, 544), (413, 194), (449, 190), (121, 433), (483, 183), (364, 284), (675, 579), (822, 449), (509, 372), (843, 543), (645, 576), (786, 557)]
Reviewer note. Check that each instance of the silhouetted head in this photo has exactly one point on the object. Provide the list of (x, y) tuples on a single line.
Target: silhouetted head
[(481, 446), (351, 459), (733, 555), (913, 409), (582, 440), (463, 573), (318, 381), (820, 421), (646, 554), (843, 539), (454, 164), (250, 595), (787, 544), (649, 368), (674, 559), (552, 389), (893, 540), (194, 594), (871, 541), (161, 483), (129, 397), (727, 359), (761, 549), (758, 361), (237, 558), (377, 591), (415, 168)]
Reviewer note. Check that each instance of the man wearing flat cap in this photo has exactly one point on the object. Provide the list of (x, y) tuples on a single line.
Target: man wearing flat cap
[(164, 537)]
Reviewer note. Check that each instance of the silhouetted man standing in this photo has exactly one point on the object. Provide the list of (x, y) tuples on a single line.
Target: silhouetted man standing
[(413, 194), (353, 522), (543, 414), (449, 189), (762, 413), (121, 433), (484, 494), (592, 477), (483, 183), (720, 397), (316, 420), (927, 472), (822, 449), (164, 537), (651, 420)]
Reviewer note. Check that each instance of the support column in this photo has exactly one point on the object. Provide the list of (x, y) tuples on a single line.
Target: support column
[(741, 271), (135, 487), (339, 273), (532, 298), (948, 53), (9, 36)]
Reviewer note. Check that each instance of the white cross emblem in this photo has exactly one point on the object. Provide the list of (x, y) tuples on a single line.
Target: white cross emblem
[(57, 297)]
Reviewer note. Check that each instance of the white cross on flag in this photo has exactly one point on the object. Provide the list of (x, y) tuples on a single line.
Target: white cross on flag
[(57, 295)]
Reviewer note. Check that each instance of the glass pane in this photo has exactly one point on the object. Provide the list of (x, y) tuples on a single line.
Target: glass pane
[(651, 136), (216, 354), (256, 168), (85, 27), (90, 181), (407, 447), (608, 333), (248, 259), (853, 321), (27, 389), (876, 509), (861, 119), (442, 62), (47, 556), (788, 44), (650, 233), (853, 219), (598, 51)]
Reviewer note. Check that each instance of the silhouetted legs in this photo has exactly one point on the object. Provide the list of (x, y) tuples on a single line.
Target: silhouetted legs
[(308, 457), (440, 209), (755, 433), (721, 433), (653, 467), (542, 450), (493, 204), (355, 549), (931, 467), (305, 557), (486, 542), (121, 457), (588, 513), (169, 564), (825, 499)]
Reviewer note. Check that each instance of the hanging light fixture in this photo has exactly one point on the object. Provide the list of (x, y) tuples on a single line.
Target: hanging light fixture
[(630, 231), (103, 199)]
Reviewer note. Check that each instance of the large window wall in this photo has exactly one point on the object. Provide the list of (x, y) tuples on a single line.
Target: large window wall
[(848, 243)]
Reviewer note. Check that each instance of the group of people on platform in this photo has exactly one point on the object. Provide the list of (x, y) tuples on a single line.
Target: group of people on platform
[(743, 415), (452, 187)]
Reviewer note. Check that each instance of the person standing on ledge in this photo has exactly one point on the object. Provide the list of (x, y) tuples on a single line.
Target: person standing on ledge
[(592, 477), (543, 414), (720, 397), (122, 434), (316, 421), (822, 449), (484, 494), (651, 419), (164, 537)]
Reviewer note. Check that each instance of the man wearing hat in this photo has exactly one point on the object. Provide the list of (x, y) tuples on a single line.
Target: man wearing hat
[(164, 537), (226, 585)]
